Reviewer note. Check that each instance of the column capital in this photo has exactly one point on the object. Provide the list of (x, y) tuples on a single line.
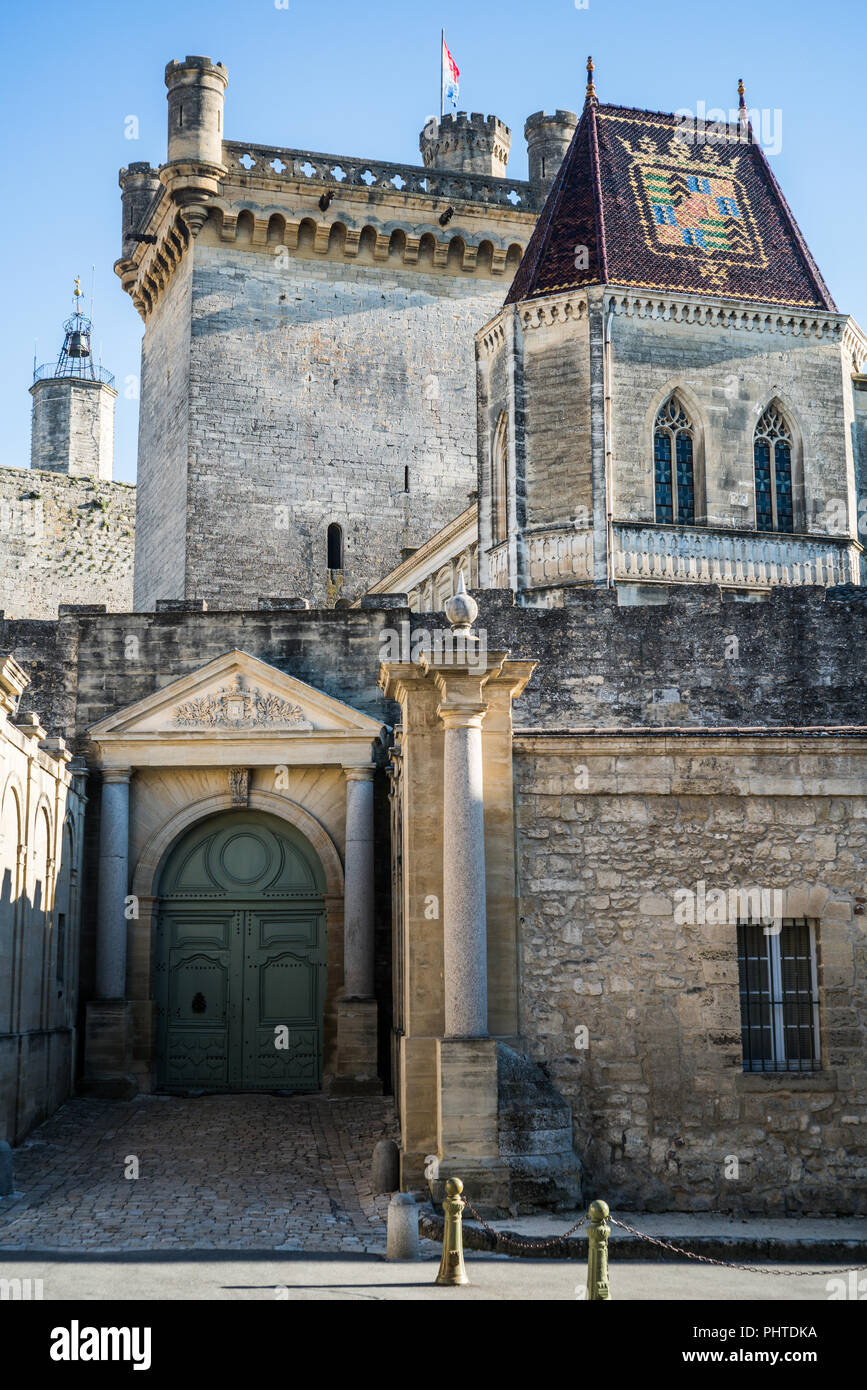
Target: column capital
[(360, 774), (462, 715), (116, 774)]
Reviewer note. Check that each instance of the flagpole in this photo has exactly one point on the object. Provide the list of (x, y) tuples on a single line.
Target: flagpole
[(442, 73)]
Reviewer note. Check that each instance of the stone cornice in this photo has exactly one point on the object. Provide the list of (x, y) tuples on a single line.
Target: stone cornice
[(396, 206), (714, 312), (683, 738), (664, 305)]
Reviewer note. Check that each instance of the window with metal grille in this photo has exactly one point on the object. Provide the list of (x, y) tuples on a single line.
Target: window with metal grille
[(673, 488), (779, 996), (772, 459)]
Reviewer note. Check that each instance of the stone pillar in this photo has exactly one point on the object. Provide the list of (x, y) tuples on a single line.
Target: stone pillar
[(358, 951), (464, 912), (108, 1033), (356, 1011), (113, 884), (458, 827)]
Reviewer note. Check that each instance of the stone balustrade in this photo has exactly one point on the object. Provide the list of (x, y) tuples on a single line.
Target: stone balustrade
[(269, 162), (678, 555), (558, 555)]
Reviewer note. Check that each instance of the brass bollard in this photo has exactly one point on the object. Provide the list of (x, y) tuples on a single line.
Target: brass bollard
[(452, 1270), (597, 1252)]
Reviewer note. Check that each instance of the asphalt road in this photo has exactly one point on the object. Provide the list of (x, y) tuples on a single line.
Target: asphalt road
[(307, 1277)]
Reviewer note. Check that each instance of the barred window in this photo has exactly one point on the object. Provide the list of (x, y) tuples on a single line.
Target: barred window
[(772, 458), (673, 472), (779, 996)]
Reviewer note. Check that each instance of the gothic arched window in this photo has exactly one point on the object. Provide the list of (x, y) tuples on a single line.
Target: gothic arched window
[(499, 479), (673, 470), (772, 458), (335, 546)]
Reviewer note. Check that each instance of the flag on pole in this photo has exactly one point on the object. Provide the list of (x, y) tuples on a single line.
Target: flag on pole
[(450, 75)]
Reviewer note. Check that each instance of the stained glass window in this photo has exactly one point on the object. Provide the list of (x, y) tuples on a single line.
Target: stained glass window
[(674, 487), (772, 457)]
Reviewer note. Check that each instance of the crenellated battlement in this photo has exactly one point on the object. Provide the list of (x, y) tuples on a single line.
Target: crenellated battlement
[(467, 144)]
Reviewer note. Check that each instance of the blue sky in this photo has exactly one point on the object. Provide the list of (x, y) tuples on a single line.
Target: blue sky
[(360, 79)]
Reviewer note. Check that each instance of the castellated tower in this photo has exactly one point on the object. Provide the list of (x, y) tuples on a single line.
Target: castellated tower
[(473, 144), (307, 407), (548, 138), (73, 407)]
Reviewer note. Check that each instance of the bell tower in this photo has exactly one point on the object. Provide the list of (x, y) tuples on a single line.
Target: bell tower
[(73, 406)]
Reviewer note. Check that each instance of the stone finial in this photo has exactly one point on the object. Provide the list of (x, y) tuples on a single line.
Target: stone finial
[(461, 609)]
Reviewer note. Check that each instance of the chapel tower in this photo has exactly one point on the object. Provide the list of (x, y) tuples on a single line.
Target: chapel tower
[(669, 394)]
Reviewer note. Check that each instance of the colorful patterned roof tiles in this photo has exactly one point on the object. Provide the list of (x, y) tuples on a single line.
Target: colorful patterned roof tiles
[(643, 199)]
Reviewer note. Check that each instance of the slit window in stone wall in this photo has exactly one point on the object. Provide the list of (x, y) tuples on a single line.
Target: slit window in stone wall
[(673, 465), (335, 546), (772, 457), (778, 995)]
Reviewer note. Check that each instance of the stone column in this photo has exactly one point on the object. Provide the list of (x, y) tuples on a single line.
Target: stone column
[(108, 1032), (113, 884), (358, 953), (356, 1010), (464, 912)]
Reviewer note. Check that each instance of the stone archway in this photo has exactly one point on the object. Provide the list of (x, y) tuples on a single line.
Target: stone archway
[(240, 957)]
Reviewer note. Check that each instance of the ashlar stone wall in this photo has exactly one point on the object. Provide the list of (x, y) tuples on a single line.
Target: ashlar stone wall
[(317, 392), (64, 540), (637, 1017)]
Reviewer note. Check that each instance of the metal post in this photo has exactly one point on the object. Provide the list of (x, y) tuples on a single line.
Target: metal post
[(452, 1270), (597, 1252)]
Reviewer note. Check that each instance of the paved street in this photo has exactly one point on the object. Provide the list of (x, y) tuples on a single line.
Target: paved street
[(295, 1277), (268, 1197), (221, 1172)]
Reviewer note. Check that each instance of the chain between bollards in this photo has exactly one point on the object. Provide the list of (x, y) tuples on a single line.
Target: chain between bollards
[(452, 1270)]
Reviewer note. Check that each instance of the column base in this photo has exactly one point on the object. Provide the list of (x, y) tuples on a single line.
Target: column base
[(467, 1124), (356, 1073), (108, 1050)]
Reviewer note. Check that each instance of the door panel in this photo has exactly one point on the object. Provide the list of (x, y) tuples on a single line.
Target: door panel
[(240, 983), (283, 998), (195, 996)]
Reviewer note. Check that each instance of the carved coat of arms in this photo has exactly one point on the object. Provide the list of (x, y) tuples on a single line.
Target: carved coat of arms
[(238, 706)]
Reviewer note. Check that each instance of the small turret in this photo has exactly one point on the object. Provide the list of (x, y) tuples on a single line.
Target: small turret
[(548, 138), (196, 94), (473, 144), (139, 185)]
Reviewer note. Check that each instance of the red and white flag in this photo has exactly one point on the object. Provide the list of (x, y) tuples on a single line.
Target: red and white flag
[(450, 75)]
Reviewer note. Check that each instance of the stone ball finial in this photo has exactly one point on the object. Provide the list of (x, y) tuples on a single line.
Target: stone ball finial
[(461, 609)]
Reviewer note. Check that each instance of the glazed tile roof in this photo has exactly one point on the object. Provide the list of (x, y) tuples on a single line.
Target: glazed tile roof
[(636, 203)]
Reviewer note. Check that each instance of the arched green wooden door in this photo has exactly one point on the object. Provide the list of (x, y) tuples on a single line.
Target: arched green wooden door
[(240, 972)]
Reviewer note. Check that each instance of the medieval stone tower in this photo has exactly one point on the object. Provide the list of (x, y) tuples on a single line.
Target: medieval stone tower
[(307, 406), (73, 407)]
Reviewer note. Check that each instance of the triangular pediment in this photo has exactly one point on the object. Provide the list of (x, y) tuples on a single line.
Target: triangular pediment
[(240, 696)]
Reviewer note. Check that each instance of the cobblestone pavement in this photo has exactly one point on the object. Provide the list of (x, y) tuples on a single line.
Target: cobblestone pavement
[(237, 1172)]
